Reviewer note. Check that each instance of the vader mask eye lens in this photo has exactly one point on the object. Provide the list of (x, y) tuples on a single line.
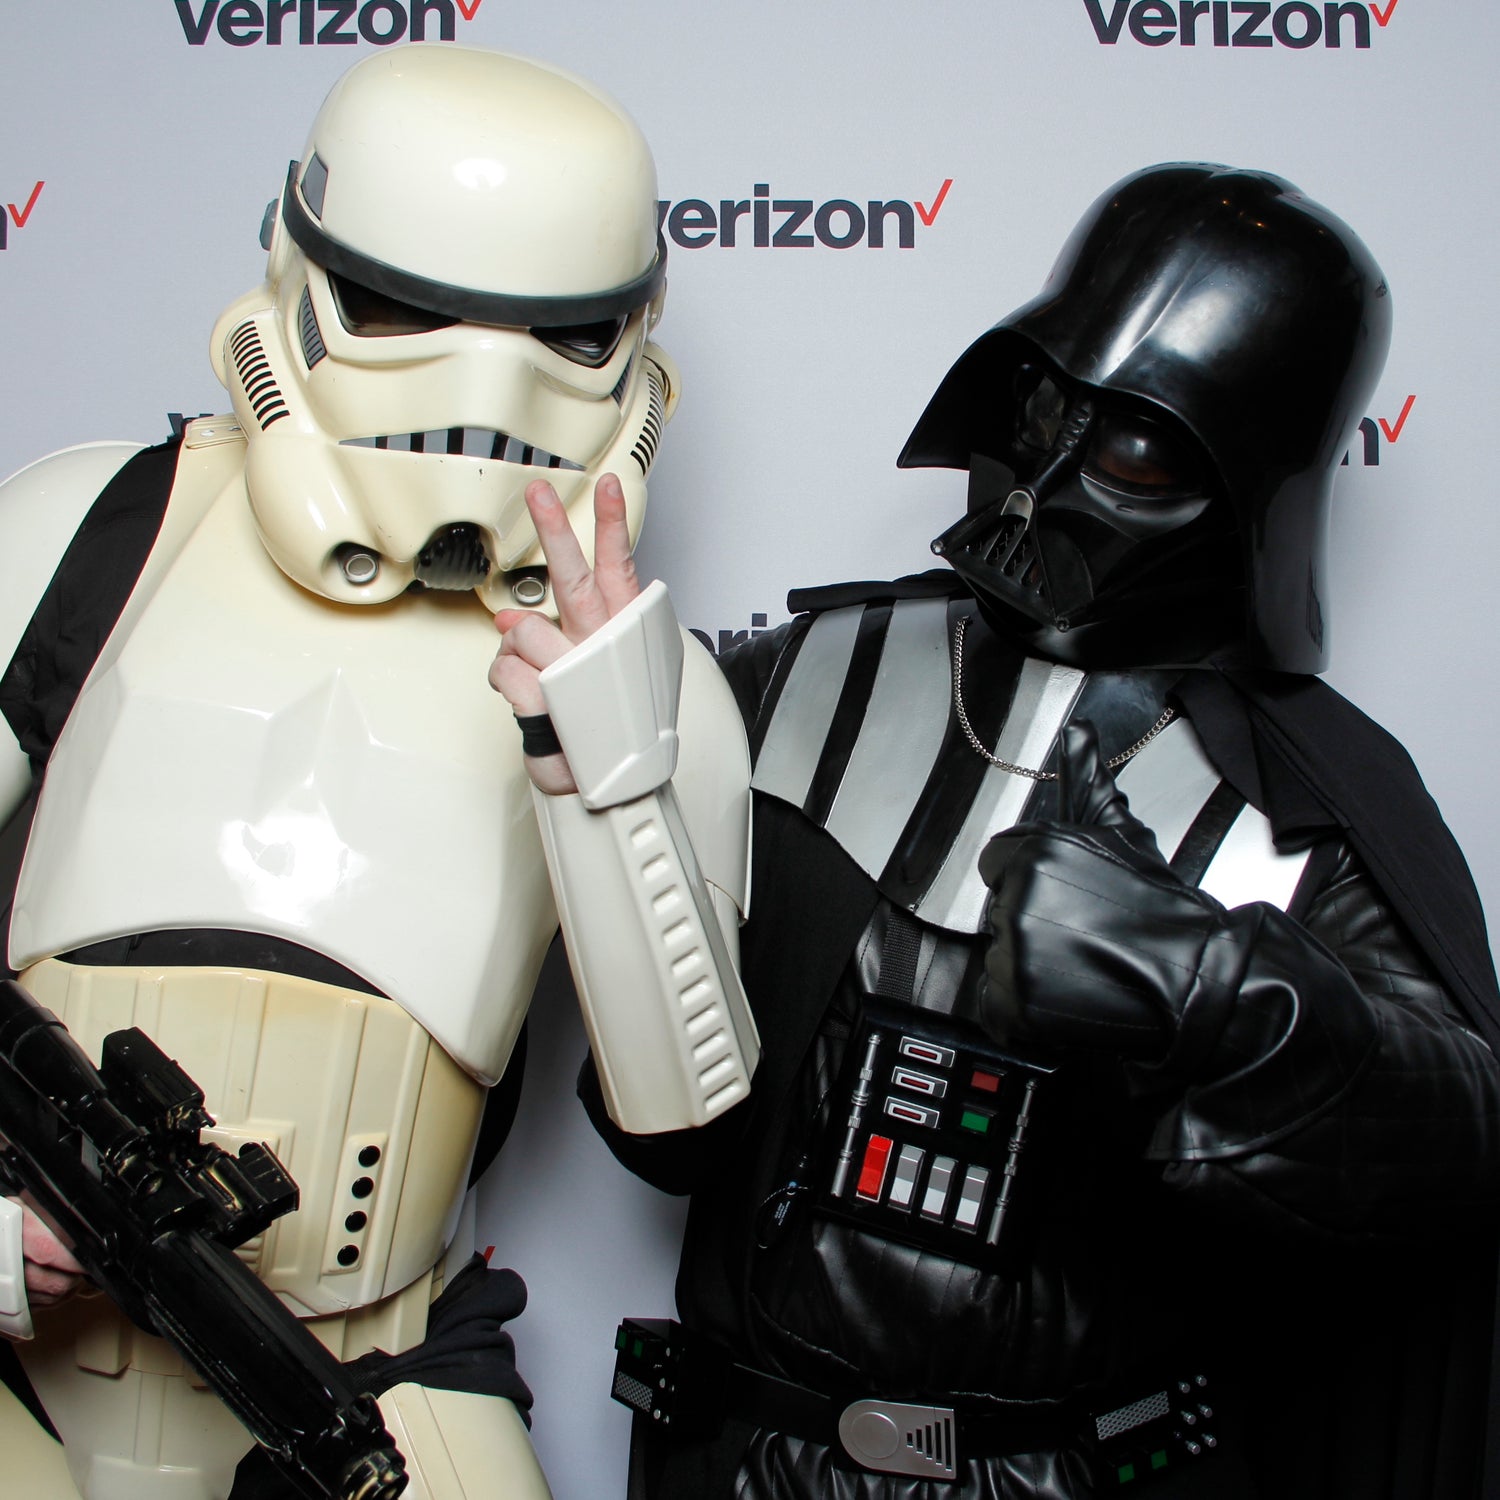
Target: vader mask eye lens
[(588, 344), (1137, 454), (369, 314)]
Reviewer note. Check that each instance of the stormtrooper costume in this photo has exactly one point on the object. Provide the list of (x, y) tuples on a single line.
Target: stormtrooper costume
[(1098, 1146), (283, 825)]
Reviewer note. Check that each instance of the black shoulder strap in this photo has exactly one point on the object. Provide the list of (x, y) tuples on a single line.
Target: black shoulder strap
[(84, 600), (1206, 833), (936, 583)]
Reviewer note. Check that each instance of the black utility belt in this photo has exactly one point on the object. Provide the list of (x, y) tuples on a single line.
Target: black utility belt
[(898, 1437), (687, 1384)]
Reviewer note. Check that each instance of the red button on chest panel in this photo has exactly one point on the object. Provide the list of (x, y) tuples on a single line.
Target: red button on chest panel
[(872, 1170)]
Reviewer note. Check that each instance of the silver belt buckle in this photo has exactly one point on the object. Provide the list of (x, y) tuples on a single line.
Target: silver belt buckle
[(896, 1437)]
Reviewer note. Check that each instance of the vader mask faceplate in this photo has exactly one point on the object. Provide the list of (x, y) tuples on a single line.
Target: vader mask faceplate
[(1224, 315), (1095, 532)]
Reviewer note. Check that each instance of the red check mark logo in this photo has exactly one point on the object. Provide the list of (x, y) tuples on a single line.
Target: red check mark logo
[(20, 215), (1380, 20), (1392, 433), (927, 215), (470, 11)]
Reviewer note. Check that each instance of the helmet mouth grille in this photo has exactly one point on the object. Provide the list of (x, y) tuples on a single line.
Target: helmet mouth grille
[(466, 442), (454, 558), (254, 372)]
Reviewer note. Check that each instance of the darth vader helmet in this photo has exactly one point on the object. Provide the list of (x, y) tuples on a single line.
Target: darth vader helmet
[(464, 268), (1152, 441)]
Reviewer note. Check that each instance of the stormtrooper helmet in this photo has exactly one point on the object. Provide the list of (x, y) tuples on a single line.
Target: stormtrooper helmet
[(464, 270), (1152, 441)]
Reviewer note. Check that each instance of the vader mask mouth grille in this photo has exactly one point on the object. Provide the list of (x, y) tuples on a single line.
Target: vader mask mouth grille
[(1000, 551), (1011, 549)]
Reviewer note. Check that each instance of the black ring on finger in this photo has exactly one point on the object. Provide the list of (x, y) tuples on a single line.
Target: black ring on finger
[(538, 737)]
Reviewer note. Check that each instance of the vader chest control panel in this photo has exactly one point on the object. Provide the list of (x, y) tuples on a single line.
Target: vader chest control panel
[(931, 1134)]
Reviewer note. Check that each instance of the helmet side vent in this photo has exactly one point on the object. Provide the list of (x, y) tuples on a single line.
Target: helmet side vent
[(644, 452), (256, 379), (307, 327)]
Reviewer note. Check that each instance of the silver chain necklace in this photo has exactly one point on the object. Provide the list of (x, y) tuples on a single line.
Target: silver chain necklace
[(1168, 715)]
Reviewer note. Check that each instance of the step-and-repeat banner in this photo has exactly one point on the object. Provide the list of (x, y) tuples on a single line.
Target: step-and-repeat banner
[(851, 192)]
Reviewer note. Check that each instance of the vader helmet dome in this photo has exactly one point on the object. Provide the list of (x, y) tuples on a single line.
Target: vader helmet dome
[(464, 270), (1152, 440)]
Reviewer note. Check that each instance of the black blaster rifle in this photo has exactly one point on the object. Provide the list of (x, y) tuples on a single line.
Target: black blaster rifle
[(111, 1159)]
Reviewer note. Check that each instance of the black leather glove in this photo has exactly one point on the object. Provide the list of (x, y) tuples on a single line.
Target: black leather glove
[(1095, 943)]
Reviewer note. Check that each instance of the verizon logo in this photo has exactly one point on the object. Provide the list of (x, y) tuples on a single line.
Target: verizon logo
[(322, 23), (1238, 23), (18, 215), (1375, 430), (763, 222), (729, 638)]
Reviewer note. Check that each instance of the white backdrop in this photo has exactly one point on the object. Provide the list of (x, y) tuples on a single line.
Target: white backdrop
[(135, 163)]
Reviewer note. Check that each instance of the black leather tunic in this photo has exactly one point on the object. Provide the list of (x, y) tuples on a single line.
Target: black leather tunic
[(1277, 1216)]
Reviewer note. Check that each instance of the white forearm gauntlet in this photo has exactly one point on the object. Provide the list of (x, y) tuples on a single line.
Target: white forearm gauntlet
[(613, 700), (649, 869)]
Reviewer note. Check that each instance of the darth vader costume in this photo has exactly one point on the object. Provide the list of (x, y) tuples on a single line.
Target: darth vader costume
[(1100, 1147)]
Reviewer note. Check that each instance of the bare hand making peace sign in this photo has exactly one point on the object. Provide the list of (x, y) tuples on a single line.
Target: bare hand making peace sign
[(586, 598)]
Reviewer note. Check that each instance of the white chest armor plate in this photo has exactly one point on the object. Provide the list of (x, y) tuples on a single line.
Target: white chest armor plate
[(246, 755)]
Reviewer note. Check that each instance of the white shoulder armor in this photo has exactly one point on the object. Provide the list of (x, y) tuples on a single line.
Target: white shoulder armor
[(248, 756), (649, 866), (40, 509)]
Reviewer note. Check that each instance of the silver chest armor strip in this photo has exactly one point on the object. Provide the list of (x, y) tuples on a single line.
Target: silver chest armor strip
[(905, 719)]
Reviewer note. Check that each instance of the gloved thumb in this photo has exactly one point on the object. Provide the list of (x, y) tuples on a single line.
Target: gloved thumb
[(1087, 792)]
